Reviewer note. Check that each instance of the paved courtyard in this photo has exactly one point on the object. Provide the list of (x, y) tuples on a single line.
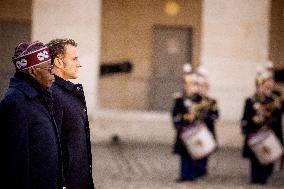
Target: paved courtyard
[(134, 165)]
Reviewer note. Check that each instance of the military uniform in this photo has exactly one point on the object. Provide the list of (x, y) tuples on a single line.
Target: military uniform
[(251, 123), (182, 115)]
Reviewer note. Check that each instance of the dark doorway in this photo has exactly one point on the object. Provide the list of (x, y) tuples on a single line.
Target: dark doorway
[(276, 41), (172, 48)]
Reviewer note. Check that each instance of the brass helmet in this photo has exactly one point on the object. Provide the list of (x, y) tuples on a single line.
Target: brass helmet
[(269, 65), (202, 74), (262, 75), (188, 75)]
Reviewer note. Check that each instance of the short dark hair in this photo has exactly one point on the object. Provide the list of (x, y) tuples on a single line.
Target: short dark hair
[(57, 47)]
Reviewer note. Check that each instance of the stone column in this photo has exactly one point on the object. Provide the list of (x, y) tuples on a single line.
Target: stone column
[(79, 20), (235, 39)]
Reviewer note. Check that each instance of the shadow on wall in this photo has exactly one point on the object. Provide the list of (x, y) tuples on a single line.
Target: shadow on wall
[(117, 67)]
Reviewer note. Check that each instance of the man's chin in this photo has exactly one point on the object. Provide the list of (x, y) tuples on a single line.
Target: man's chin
[(74, 77)]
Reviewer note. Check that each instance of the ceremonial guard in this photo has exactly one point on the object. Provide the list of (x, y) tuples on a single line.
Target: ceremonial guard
[(260, 128), (276, 94), (194, 141)]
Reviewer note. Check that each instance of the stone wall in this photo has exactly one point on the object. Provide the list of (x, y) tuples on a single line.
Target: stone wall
[(235, 40), (127, 34), (15, 27)]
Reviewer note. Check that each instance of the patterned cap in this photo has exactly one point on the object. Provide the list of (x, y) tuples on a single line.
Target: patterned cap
[(30, 54)]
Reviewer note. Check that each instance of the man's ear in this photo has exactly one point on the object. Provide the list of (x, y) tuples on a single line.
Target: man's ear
[(58, 63), (32, 72)]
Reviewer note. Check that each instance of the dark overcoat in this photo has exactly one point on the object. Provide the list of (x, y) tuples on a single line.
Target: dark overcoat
[(29, 137), (71, 117)]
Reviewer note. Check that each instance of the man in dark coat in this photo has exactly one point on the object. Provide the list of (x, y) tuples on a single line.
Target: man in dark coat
[(71, 115), (29, 138)]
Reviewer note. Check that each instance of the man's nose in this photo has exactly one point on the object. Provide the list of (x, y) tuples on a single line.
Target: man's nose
[(79, 64)]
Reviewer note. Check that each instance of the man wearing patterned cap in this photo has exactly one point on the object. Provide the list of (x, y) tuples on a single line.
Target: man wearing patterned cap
[(30, 144)]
